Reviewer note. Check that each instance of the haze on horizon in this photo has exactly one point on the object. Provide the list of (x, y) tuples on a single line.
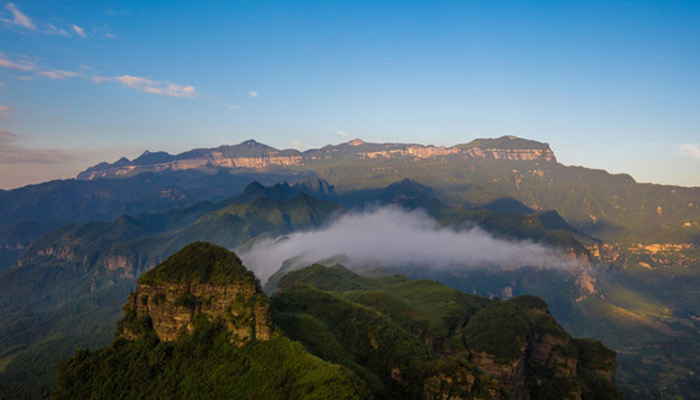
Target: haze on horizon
[(611, 85)]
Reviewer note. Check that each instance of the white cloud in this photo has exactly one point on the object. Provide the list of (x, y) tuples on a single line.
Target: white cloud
[(79, 31), (111, 36), (689, 149), (253, 94), (393, 237), (21, 64), (150, 86), (18, 17), (27, 65), (52, 30), (22, 20), (57, 74), (341, 133), (234, 107), (134, 82)]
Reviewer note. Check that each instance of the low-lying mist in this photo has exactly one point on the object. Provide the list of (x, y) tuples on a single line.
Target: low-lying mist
[(394, 237)]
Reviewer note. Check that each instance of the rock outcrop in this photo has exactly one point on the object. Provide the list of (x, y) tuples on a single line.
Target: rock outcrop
[(520, 344), (200, 281)]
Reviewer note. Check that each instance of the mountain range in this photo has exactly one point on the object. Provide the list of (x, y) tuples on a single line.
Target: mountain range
[(72, 250), (386, 337)]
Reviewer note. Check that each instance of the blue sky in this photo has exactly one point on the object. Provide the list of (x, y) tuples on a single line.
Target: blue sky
[(612, 85)]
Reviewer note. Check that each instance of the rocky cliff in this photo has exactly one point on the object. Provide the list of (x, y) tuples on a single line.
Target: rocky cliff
[(198, 326), (200, 281), (251, 155), (465, 347)]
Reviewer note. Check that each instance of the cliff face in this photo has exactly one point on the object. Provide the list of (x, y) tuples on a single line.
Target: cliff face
[(170, 299), (173, 309), (546, 360), (256, 156), (542, 351), (456, 346)]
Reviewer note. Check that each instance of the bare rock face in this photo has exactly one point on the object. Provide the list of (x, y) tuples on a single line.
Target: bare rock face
[(458, 384), (201, 280), (541, 351), (537, 357), (257, 156)]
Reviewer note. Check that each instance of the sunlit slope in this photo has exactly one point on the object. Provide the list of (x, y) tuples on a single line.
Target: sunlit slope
[(466, 329)]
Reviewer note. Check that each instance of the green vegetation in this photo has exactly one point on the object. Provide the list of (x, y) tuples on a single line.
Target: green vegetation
[(646, 314), (339, 278), (203, 366), (199, 262), (73, 300), (499, 330), (506, 142), (346, 318), (360, 337)]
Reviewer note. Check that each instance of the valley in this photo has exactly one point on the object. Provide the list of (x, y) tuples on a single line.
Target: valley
[(74, 253)]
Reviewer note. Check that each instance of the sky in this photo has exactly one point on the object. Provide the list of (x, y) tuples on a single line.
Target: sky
[(608, 84)]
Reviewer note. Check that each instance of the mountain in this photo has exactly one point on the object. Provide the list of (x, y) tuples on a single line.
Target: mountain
[(28, 212), (71, 281), (251, 155), (64, 283), (200, 280), (68, 286), (198, 325), (611, 207)]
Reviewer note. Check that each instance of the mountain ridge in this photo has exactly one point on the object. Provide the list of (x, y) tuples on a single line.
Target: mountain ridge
[(251, 154), (394, 337)]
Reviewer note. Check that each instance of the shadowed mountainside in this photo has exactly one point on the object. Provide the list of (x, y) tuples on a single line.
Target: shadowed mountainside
[(361, 338)]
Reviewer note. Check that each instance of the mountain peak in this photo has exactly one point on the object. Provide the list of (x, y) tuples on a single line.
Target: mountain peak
[(255, 190), (199, 280), (507, 142), (253, 155), (199, 262)]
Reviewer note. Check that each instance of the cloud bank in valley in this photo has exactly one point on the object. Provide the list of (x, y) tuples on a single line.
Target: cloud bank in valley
[(394, 237)]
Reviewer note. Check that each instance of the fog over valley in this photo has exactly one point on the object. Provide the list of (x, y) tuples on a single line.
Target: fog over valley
[(394, 237)]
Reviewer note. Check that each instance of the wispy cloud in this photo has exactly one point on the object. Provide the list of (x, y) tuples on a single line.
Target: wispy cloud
[(253, 94), (21, 64), (689, 149), (22, 20), (341, 133), (162, 88), (27, 65), (111, 36), (4, 114), (234, 107), (150, 86), (79, 31), (58, 74), (157, 87), (18, 17), (12, 152), (7, 136), (52, 30)]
